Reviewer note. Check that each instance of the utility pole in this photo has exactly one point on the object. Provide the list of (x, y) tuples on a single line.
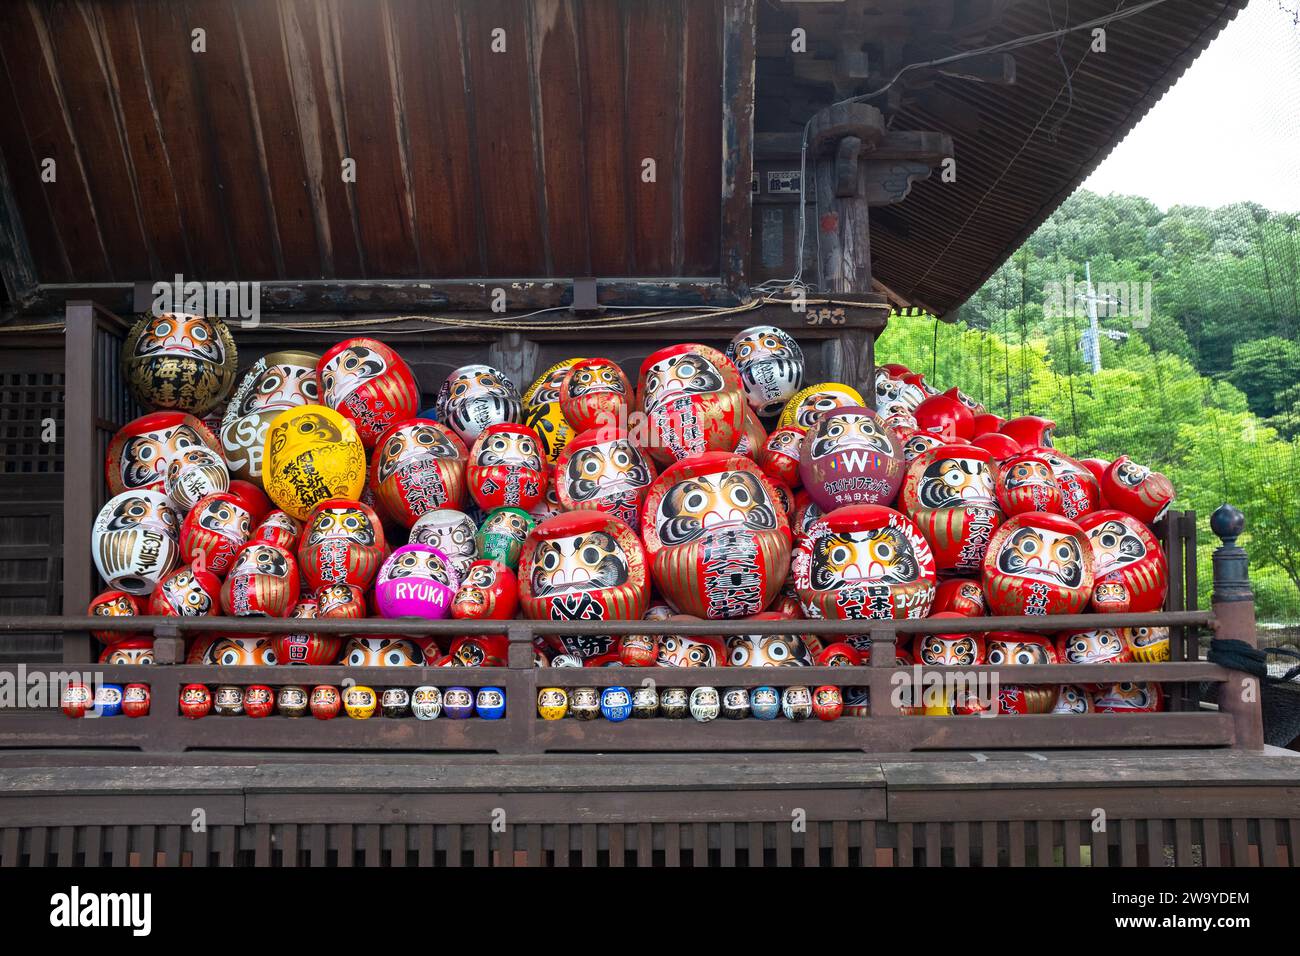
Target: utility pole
[(1091, 344)]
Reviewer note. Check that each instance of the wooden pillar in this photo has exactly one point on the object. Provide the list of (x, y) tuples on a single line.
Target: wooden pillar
[(1234, 615), (82, 471)]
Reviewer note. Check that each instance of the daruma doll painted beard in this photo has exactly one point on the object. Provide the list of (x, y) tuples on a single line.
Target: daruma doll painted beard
[(583, 566), (1026, 484), (1038, 563), (602, 470), (506, 468), (262, 583), (864, 562), (115, 604), (717, 538), (949, 492), (476, 396), (187, 592), (134, 541), (416, 581), (343, 544), (274, 383), (692, 397), (312, 453), (367, 382), (179, 361), (1137, 490), (1130, 567), (418, 466), (770, 364), (140, 452), (595, 394), (849, 457)]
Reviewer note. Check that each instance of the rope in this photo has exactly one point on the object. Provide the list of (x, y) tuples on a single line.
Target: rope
[(1239, 656)]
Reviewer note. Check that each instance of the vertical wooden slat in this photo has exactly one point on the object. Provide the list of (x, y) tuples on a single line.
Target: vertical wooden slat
[(644, 845), (1183, 842), (65, 846), (840, 843), (673, 844), (1240, 836), (38, 845), (172, 846), (318, 847), (372, 844), (397, 844), (867, 853), (120, 846), (1100, 842), (933, 854), (148, 845), (504, 855), (424, 845), (702, 159), (1016, 835), (961, 843), (92, 842), (455, 837), (1210, 842), (1268, 844), (1128, 843), (617, 847), (988, 843), (347, 845), (562, 844), (1070, 841), (262, 845), (1293, 841), (812, 844), (1045, 844), (754, 839), (1171, 530), (590, 847), (608, 164), (737, 139), (482, 845), (727, 842), (904, 844), (783, 845), (699, 845), (653, 74), (533, 841)]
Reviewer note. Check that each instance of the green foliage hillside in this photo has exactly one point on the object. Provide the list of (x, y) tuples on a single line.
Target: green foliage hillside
[(1204, 386)]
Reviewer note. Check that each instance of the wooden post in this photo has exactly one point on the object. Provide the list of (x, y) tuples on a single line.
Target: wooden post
[(1234, 616), (82, 471)]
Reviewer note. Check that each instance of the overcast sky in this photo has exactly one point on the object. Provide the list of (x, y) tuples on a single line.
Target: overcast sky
[(1229, 130)]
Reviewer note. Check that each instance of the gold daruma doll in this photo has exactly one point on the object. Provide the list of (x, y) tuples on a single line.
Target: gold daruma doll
[(312, 454)]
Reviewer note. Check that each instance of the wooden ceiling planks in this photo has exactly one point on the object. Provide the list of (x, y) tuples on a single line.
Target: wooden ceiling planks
[(228, 163)]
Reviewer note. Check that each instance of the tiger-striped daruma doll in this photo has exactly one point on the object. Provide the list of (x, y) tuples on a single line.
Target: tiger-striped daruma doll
[(273, 384), (691, 397), (476, 396), (583, 566), (717, 537), (1130, 567), (343, 543), (864, 562), (770, 364), (949, 492), (418, 467), (602, 470), (1038, 563), (542, 411)]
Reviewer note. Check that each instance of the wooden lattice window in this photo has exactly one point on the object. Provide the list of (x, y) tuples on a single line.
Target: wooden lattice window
[(29, 401)]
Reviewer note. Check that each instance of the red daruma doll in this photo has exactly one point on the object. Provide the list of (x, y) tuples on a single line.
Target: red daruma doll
[(595, 394), (717, 537), (583, 566), (417, 467), (1130, 568), (1026, 483), (366, 381), (1080, 490), (214, 531), (1038, 563), (850, 457), (1137, 490), (949, 492), (262, 583), (343, 543), (864, 561), (602, 470), (417, 580), (693, 399), (489, 591), (506, 468)]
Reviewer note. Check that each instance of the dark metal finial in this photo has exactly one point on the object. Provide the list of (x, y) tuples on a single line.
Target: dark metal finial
[(1231, 565), (1227, 523)]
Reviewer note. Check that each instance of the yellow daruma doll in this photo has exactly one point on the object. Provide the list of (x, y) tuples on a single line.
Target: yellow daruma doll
[(312, 454)]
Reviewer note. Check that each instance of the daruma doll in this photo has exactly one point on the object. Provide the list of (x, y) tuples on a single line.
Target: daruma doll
[(1129, 566), (949, 492), (770, 364), (864, 561), (1038, 563), (506, 468), (583, 566), (418, 466), (595, 394), (602, 470), (1137, 490), (134, 540), (115, 604), (692, 398), (452, 533), (306, 647), (848, 457), (179, 361), (273, 384), (779, 456), (1080, 490), (187, 592), (476, 396), (312, 453), (542, 411), (1026, 483), (489, 590), (141, 450), (214, 532), (717, 537), (806, 406), (263, 582), (367, 382), (416, 581), (343, 543)]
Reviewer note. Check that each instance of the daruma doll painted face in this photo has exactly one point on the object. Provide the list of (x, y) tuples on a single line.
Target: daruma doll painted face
[(489, 590), (1080, 490), (602, 470), (770, 364), (306, 648), (1026, 484), (187, 592), (949, 649), (367, 382), (476, 396), (962, 596), (542, 412), (1136, 489), (115, 604), (273, 384), (262, 583), (179, 361), (135, 542), (692, 397), (949, 492), (506, 468), (595, 394), (1038, 563), (850, 457), (194, 474), (343, 543), (864, 561), (1131, 571), (779, 456), (418, 466), (140, 452), (416, 581), (452, 533), (717, 538), (583, 566), (312, 453), (214, 531), (806, 406)]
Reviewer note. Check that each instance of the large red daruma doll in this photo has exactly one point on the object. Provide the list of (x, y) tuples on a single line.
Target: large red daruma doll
[(949, 492), (343, 544), (1137, 490), (418, 466), (693, 400), (602, 470), (364, 380), (215, 530), (717, 537), (1130, 569), (595, 393), (848, 457), (583, 566), (864, 561), (506, 468), (141, 450), (1038, 563)]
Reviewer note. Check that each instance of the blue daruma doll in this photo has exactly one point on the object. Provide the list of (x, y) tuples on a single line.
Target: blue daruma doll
[(417, 580)]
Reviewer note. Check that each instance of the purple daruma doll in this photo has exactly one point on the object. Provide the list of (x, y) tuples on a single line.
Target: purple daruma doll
[(849, 456), (417, 580)]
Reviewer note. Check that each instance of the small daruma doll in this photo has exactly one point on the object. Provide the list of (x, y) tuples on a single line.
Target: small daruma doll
[(1080, 490), (214, 531), (135, 541), (949, 492), (343, 543), (476, 396), (506, 468), (115, 604), (418, 467), (717, 537), (864, 561), (186, 592), (312, 453), (1026, 484), (770, 364), (489, 590), (367, 382), (1137, 490), (779, 456), (1038, 563), (416, 581), (262, 583), (179, 361), (1130, 568), (141, 450), (850, 457), (602, 470), (583, 566), (595, 394), (692, 397)]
